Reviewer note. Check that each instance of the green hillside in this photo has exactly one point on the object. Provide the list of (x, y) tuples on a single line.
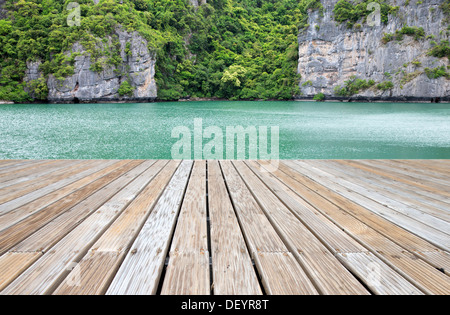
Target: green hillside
[(238, 49)]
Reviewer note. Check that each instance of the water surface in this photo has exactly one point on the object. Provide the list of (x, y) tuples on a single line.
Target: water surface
[(308, 130)]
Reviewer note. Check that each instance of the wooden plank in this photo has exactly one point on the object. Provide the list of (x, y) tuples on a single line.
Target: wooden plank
[(432, 165), (20, 181), (325, 270), (22, 188), (378, 276), (112, 246), (431, 234), (333, 205), (12, 265), (27, 166), (11, 163), (189, 249), (19, 231), (417, 188), (335, 239), (30, 170), (406, 178), (279, 271), (142, 267), (373, 231), (56, 229), (233, 272), (20, 213), (63, 180), (419, 174), (48, 272), (414, 197), (396, 202)]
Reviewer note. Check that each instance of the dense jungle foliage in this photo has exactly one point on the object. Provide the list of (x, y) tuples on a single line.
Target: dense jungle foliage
[(237, 49)]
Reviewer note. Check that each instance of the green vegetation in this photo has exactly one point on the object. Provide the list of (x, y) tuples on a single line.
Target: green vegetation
[(384, 86), (445, 7), (434, 73), (319, 97), (408, 77), (353, 86), (242, 49), (354, 11), (417, 32), (125, 89), (441, 50)]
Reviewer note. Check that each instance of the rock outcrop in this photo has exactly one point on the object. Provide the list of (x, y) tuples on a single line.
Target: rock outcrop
[(330, 53), (86, 85)]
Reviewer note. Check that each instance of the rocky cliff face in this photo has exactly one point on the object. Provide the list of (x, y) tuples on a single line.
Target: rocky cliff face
[(86, 85), (330, 53)]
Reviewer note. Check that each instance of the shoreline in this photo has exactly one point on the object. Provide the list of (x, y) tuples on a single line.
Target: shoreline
[(357, 99)]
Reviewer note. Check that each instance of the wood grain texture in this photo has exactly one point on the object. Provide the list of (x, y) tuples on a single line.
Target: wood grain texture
[(188, 269), (141, 269), (47, 273), (224, 227), (113, 245), (232, 266)]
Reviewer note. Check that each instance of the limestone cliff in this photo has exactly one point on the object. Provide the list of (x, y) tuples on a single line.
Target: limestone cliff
[(330, 53), (137, 67)]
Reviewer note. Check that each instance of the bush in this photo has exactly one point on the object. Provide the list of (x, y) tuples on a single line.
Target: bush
[(319, 97), (125, 89), (417, 32), (353, 86), (441, 50), (384, 86), (437, 72)]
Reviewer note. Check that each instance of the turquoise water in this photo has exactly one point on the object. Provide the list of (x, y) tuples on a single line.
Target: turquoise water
[(307, 130)]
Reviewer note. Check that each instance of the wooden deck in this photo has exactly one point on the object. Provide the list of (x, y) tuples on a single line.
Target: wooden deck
[(224, 228)]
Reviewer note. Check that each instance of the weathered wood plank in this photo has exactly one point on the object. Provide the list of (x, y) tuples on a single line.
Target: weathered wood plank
[(7, 164), (117, 239), (189, 249), (337, 241), (406, 178), (47, 273), (19, 231), (379, 277), (20, 213), (15, 191), (233, 272), (25, 166), (18, 182), (427, 232), (385, 239), (142, 267), (433, 165), (386, 176), (64, 180), (57, 228), (414, 197), (420, 175), (330, 276), (280, 272), (108, 229), (393, 201), (12, 265)]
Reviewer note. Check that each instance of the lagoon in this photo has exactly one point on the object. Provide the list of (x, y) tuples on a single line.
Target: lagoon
[(307, 130)]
